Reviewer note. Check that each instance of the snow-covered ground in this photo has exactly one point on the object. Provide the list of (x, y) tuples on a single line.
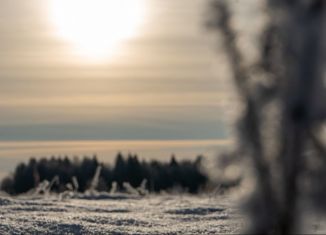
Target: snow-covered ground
[(105, 213), (119, 214)]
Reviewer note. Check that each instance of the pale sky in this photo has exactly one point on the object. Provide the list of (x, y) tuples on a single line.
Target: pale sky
[(162, 82)]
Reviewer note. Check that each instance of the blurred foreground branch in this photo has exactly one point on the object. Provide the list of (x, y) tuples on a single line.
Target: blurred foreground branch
[(287, 85)]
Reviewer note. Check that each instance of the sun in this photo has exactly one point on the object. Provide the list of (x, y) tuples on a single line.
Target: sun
[(95, 28)]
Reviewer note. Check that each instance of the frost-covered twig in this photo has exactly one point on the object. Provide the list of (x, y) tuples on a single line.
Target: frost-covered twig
[(292, 56)]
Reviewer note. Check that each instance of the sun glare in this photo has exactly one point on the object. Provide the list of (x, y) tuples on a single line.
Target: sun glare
[(96, 27)]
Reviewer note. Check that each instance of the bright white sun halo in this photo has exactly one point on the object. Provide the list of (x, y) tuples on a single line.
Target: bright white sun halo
[(96, 27)]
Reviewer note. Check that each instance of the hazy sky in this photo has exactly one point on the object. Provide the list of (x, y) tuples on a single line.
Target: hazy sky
[(160, 83)]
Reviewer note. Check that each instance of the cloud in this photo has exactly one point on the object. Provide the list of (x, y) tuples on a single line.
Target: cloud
[(163, 85)]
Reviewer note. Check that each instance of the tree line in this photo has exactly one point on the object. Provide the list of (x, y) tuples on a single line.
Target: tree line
[(75, 174)]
